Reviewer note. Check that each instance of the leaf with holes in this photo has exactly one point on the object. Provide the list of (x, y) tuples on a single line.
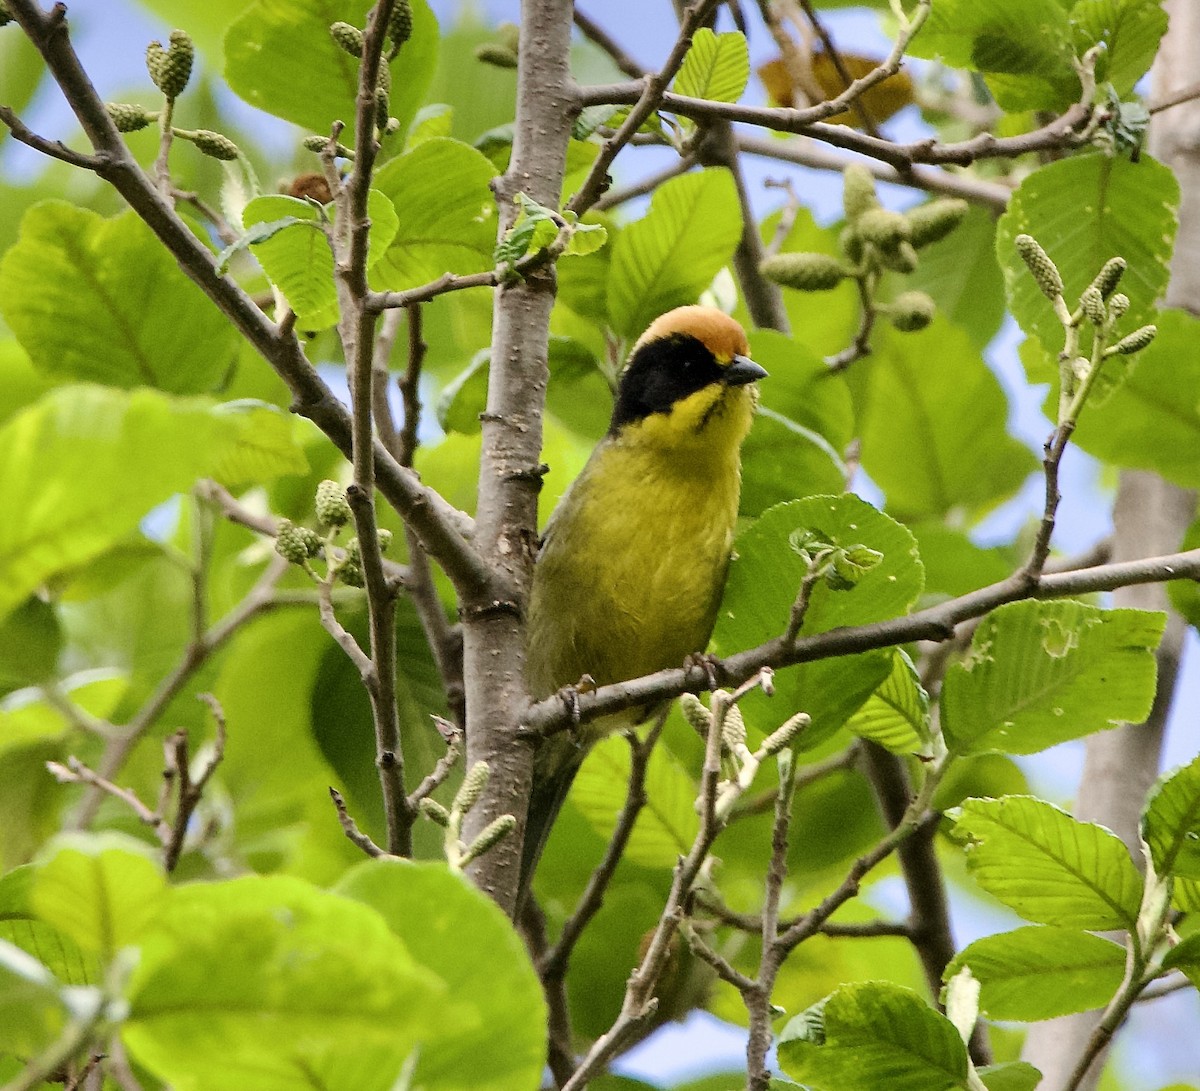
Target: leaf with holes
[(1039, 673)]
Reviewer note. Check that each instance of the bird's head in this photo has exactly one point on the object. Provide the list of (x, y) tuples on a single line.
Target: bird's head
[(689, 382)]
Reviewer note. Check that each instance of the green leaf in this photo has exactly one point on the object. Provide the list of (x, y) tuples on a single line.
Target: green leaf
[(100, 890), (1171, 822), (717, 67), (669, 256), (1047, 866), (933, 434), (1010, 1076), (878, 1037), (1085, 210), (260, 446), (955, 565), (290, 244), (102, 300), (272, 984), (896, 715), (667, 824), (281, 58), (21, 71), (21, 926), (1130, 31), (1185, 957), (447, 216), (462, 936), (1152, 421), (764, 577), (97, 440), (1042, 972), (431, 121), (31, 641), (1039, 673), (781, 458), (1024, 46), (1185, 594), (31, 1011), (802, 389)]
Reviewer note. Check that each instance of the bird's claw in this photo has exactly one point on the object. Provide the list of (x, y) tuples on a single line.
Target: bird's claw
[(569, 695), (711, 665)]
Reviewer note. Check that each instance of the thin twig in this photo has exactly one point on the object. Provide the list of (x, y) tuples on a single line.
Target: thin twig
[(56, 149), (650, 91), (350, 827), (260, 598), (599, 36), (647, 185), (992, 194), (832, 52), (556, 960)]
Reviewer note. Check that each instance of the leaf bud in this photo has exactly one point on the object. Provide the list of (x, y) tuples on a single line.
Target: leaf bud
[(783, 735), (1134, 342), (318, 144), (215, 145), (804, 272), (1109, 277), (858, 191), (348, 36), (472, 787), (695, 713), (733, 729), (935, 220), (127, 117), (851, 244), (331, 505), (291, 543), (499, 56), (912, 311), (171, 68), (493, 833), (883, 227), (509, 35), (1092, 305), (400, 25), (902, 258), (1044, 271), (382, 108), (351, 574), (434, 811)]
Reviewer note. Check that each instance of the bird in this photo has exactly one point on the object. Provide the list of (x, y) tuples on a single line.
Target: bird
[(632, 562)]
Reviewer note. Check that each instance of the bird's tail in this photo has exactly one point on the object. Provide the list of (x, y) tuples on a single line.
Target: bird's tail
[(554, 769)]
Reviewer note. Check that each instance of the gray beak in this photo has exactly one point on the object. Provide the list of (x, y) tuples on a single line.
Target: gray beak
[(742, 370)]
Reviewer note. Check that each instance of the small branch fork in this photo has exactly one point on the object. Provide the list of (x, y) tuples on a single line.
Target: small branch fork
[(177, 781)]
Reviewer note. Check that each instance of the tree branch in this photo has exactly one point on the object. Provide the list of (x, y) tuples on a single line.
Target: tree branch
[(442, 528), (936, 623), (649, 94)]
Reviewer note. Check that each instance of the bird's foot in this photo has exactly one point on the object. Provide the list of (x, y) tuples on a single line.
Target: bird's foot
[(569, 695), (711, 665)]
